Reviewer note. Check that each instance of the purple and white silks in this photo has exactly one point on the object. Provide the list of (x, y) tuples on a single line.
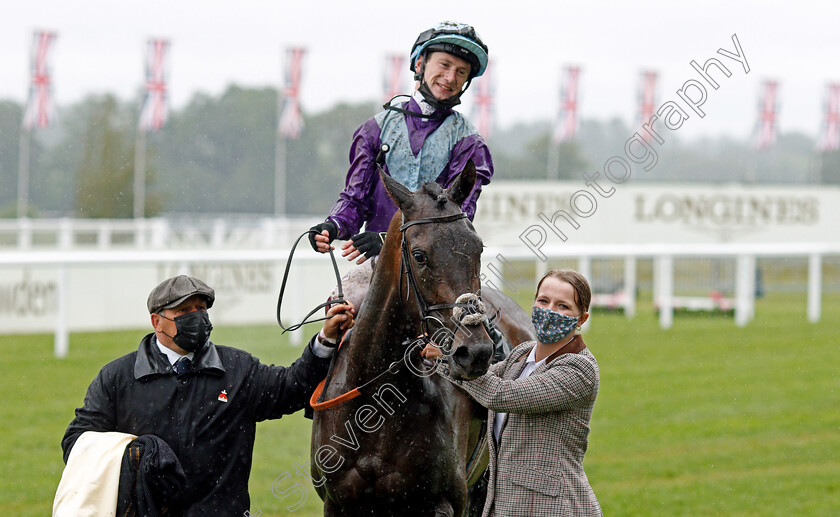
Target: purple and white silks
[(421, 150)]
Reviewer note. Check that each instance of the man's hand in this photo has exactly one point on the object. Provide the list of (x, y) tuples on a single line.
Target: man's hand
[(366, 244), (431, 352), (321, 240), (341, 318)]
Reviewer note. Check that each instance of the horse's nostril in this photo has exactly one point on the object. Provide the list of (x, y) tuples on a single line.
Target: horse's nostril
[(461, 355), (482, 355)]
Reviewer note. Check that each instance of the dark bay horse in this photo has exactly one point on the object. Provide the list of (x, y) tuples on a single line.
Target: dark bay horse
[(403, 446)]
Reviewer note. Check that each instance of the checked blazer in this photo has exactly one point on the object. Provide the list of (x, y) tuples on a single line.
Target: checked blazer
[(536, 468)]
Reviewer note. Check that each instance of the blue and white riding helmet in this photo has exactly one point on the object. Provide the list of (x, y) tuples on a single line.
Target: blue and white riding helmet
[(458, 39)]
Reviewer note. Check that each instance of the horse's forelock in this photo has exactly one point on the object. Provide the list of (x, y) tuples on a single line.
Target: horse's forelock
[(436, 193), (433, 189)]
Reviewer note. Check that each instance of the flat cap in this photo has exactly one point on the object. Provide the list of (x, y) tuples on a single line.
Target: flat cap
[(176, 290)]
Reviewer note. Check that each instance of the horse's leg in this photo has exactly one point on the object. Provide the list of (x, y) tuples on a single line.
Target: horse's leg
[(444, 509)]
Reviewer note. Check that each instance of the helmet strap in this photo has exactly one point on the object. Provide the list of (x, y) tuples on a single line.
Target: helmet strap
[(445, 104), (438, 114)]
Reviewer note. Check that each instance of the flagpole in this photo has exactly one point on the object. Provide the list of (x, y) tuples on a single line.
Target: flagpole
[(23, 172), (817, 176), (289, 123), (280, 174), (552, 172), (140, 174), (565, 125)]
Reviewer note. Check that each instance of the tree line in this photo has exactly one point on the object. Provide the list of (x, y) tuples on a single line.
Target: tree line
[(216, 156)]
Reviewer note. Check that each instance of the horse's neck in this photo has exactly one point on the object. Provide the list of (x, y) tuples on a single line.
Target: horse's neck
[(381, 329), (388, 319)]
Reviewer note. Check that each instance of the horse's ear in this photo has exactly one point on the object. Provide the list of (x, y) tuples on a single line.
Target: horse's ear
[(463, 184), (401, 195)]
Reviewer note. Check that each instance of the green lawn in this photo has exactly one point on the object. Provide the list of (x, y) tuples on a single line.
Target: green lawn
[(702, 419)]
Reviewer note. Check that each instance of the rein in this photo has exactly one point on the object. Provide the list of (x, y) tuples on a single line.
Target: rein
[(333, 301), (355, 392), (423, 307)]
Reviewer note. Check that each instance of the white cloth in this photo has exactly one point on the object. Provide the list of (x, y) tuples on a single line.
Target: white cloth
[(530, 365), (90, 483), (321, 350), (425, 107)]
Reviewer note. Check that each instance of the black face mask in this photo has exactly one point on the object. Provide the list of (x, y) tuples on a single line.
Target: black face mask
[(193, 330)]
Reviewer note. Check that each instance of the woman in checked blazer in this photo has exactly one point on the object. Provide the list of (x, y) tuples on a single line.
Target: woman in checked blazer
[(540, 401)]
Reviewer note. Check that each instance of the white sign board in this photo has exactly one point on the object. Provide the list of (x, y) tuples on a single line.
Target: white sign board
[(536, 214), (109, 297)]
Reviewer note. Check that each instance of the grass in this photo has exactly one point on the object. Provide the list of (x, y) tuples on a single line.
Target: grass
[(703, 419)]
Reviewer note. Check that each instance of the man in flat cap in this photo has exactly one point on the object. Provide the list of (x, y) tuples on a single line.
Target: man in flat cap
[(202, 399)]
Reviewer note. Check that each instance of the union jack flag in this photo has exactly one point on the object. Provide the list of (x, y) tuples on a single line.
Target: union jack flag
[(765, 129), (155, 111), (566, 125), (40, 109), (482, 110), (647, 98), (830, 140), (291, 119), (392, 79)]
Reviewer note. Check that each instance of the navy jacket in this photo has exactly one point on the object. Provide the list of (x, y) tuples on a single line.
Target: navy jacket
[(207, 416)]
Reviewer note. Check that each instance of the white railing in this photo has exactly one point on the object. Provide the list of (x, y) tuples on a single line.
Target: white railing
[(155, 233), (309, 287), (663, 256)]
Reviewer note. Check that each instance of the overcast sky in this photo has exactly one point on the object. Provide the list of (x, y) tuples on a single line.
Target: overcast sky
[(217, 43)]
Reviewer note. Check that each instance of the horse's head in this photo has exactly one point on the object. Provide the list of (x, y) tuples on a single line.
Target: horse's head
[(441, 261)]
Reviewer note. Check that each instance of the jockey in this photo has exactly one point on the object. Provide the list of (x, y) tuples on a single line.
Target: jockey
[(427, 141)]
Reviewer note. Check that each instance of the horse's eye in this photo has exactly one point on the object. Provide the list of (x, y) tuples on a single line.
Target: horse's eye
[(419, 257)]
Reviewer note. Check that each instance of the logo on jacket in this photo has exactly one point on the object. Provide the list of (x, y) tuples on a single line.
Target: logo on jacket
[(223, 396)]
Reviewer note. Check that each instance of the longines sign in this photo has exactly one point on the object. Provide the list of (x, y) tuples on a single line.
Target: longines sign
[(513, 212), (725, 210)]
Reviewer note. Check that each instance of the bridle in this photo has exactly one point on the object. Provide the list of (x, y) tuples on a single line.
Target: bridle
[(407, 270)]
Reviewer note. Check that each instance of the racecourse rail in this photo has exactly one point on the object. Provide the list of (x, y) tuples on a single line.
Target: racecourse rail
[(663, 256)]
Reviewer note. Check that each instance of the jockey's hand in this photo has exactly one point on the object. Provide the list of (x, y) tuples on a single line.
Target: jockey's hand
[(431, 352), (366, 244), (321, 240), (341, 318)]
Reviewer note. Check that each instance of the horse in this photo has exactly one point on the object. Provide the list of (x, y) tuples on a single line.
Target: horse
[(404, 448)]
